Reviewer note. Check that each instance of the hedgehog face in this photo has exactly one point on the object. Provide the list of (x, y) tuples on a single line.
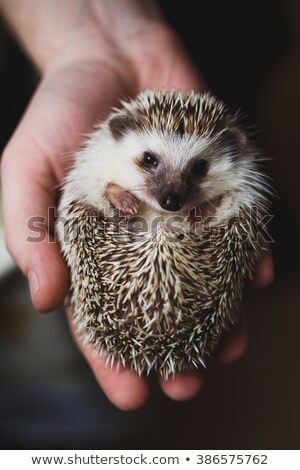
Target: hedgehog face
[(173, 151), (173, 172)]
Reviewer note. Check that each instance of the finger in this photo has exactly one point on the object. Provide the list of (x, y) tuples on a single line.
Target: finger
[(26, 197), (233, 343), (183, 386), (186, 386), (264, 272), (123, 387)]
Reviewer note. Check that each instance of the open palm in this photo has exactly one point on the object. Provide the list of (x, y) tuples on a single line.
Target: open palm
[(73, 94)]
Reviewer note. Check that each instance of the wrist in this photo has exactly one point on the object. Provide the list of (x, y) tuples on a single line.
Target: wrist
[(52, 29), (116, 26), (125, 19)]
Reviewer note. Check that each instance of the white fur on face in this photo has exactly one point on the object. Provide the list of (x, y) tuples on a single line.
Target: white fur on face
[(105, 160)]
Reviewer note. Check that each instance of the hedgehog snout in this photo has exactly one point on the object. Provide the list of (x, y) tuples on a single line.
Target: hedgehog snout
[(172, 202)]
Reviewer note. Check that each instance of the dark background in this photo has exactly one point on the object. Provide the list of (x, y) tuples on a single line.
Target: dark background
[(249, 54)]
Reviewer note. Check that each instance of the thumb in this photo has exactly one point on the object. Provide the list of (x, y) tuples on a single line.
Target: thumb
[(27, 183)]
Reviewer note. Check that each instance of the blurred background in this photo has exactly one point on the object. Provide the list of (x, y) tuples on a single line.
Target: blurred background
[(249, 54)]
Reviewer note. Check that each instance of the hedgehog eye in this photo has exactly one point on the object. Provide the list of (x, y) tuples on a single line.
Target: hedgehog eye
[(149, 160), (200, 168)]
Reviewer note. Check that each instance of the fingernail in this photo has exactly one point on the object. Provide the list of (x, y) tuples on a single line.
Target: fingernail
[(34, 284)]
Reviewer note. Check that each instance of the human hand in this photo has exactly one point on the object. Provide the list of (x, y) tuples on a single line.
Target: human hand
[(79, 84)]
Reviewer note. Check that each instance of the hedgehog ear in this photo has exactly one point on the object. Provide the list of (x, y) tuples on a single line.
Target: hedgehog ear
[(236, 139), (121, 124)]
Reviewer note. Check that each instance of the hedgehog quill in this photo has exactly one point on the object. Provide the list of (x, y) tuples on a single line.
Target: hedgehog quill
[(162, 210)]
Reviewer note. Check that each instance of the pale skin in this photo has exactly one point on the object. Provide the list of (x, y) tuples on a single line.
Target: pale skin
[(89, 54)]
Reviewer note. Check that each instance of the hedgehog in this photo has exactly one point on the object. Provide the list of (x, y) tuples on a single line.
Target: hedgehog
[(159, 224)]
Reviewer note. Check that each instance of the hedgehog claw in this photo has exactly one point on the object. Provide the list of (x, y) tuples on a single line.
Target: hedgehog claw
[(122, 200)]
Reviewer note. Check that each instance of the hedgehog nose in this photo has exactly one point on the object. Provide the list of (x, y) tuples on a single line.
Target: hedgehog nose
[(171, 202)]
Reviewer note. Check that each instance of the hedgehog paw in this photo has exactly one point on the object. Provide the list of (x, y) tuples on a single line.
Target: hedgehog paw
[(122, 200)]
